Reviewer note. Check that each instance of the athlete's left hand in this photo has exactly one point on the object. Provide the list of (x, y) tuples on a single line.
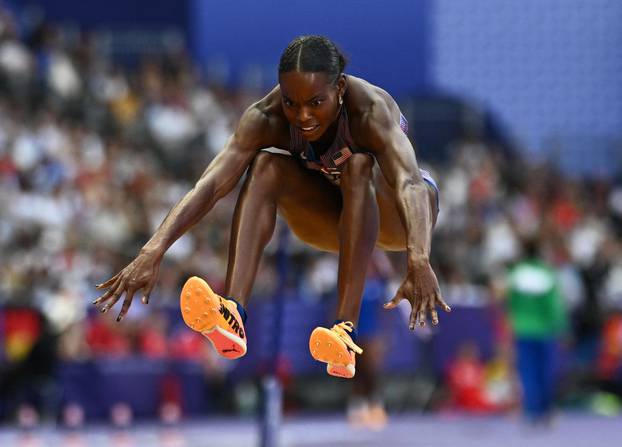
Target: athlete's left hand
[(422, 291)]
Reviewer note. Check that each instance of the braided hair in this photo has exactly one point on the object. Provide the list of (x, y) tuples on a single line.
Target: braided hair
[(312, 54)]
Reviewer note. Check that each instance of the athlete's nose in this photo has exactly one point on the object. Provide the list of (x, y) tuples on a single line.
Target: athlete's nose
[(303, 115)]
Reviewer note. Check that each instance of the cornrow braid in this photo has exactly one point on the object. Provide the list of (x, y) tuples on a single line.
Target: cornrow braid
[(313, 54)]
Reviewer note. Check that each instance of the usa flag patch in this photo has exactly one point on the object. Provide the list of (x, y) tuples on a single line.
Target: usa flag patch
[(341, 156)]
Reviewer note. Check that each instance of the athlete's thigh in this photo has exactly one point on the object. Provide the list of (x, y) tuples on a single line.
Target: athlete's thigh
[(309, 203)]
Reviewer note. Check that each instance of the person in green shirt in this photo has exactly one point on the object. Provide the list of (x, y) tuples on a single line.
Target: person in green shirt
[(538, 317)]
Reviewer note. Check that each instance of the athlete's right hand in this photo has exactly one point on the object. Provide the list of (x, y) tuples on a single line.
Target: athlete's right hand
[(141, 273)]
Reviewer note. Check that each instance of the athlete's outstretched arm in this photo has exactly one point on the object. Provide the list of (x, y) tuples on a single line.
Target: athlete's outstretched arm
[(217, 180), (398, 163)]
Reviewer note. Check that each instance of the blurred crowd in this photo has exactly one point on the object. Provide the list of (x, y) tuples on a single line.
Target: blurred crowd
[(93, 155), (92, 158)]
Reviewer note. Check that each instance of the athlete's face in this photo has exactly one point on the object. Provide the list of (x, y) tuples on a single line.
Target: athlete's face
[(310, 101)]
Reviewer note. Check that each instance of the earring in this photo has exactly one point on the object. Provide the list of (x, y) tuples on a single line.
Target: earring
[(340, 100)]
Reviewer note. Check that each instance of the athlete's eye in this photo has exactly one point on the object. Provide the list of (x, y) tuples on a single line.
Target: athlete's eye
[(287, 102), (316, 102)]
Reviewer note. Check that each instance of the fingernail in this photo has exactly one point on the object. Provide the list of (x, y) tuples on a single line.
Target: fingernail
[(94, 302), (119, 318), (412, 327), (104, 310)]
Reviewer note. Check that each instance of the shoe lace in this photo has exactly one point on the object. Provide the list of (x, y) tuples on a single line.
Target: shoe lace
[(342, 329)]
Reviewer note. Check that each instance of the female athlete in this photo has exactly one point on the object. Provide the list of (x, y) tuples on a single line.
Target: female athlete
[(349, 183)]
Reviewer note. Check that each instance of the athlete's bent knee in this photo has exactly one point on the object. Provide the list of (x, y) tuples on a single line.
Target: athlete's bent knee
[(265, 167), (358, 169)]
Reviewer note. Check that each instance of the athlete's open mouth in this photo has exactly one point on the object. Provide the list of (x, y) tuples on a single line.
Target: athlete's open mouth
[(309, 129)]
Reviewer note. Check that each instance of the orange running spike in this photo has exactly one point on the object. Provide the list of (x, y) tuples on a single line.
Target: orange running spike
[(335, 347), (215, 317)]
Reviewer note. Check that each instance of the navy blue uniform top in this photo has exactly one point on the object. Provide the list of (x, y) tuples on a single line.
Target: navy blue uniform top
[(331, 162)]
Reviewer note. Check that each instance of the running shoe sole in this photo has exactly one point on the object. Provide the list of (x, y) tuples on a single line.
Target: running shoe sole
[(200, 311), (325, 346)]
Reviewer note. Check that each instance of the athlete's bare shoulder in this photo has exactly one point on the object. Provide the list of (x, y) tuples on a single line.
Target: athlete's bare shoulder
[(264, 120), (364, 97), (368, 104)]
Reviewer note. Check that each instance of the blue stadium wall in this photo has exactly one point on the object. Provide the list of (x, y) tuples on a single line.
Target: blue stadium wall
[(386, 42), (551, 70)]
